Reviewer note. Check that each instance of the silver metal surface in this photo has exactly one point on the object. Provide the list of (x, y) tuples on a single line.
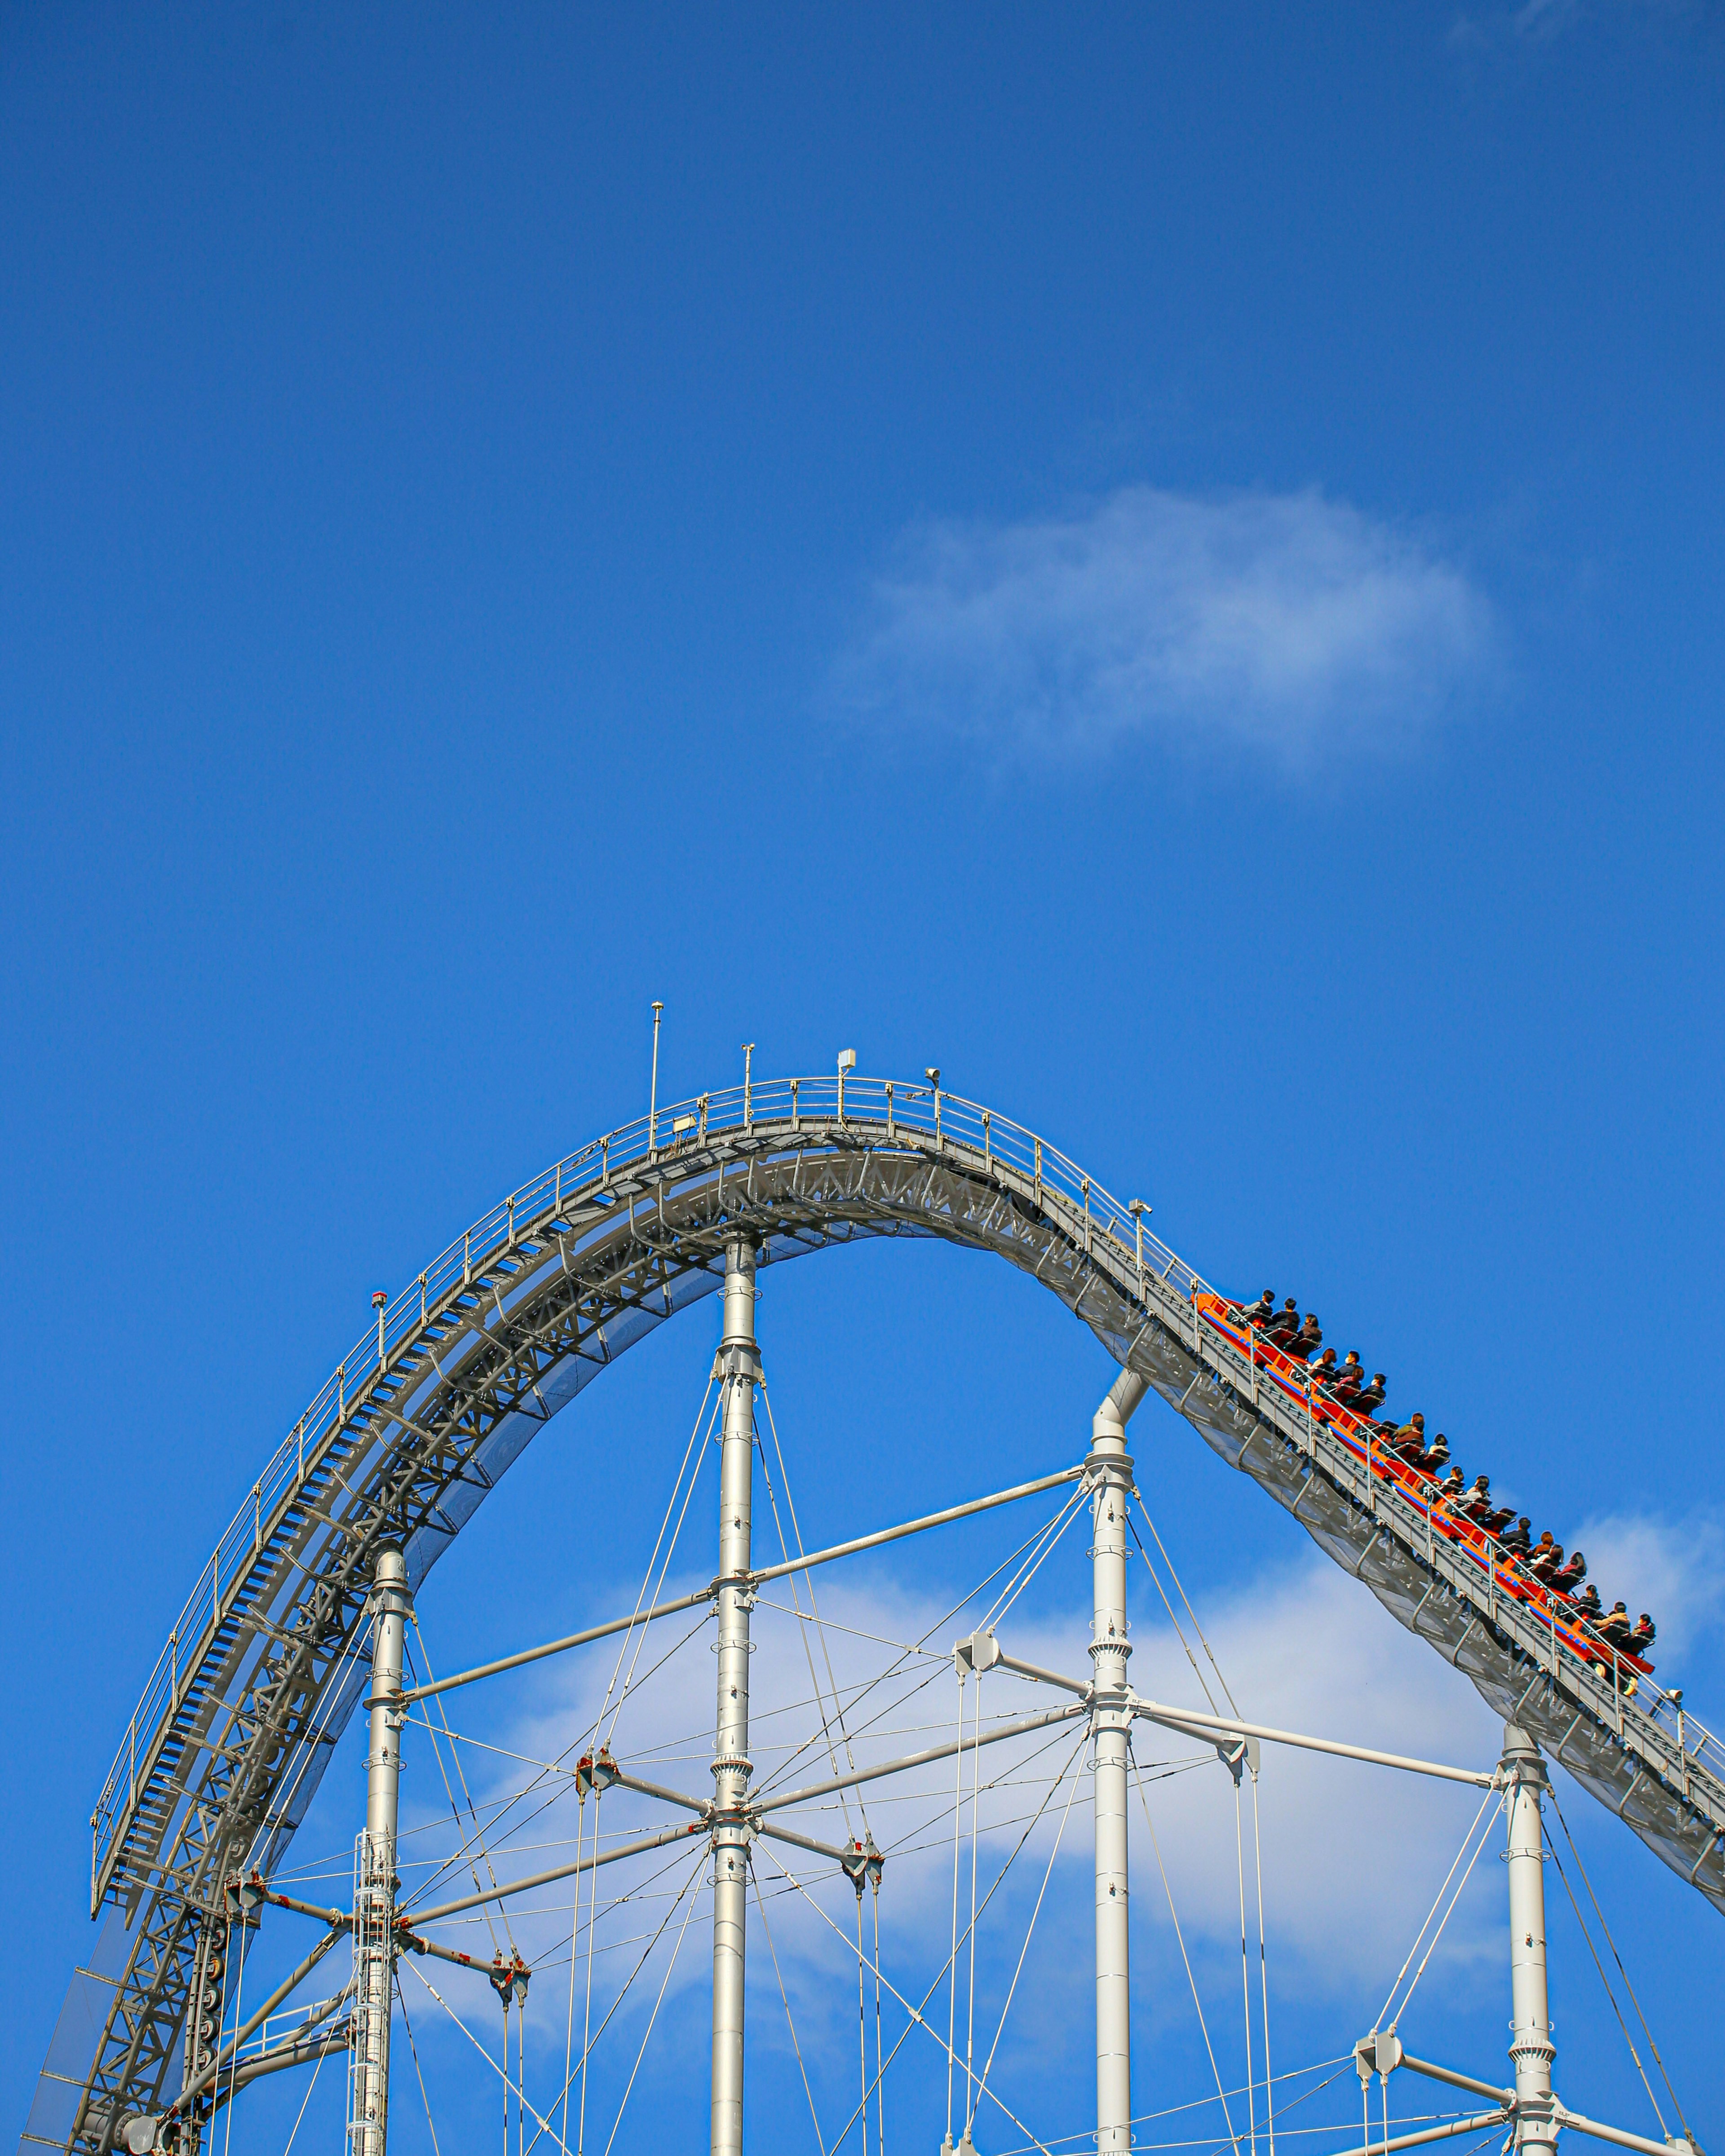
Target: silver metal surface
[(1531, 2049), (1111, 1728), (216, 1767), (731, 1769), (374, 1942)]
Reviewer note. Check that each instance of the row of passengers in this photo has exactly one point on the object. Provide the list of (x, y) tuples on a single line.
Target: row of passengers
[(1346, 1384), (1545, 1559), (1302, 1338)]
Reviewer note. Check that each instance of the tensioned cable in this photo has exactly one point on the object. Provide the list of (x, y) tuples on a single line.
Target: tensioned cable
[(545, 2126), (916, 2013), (761, 1904), (975, 1768), (952, 1959), (1594, 1951), (1263, 1969), (1245, 1980), (1593, 1897), (1057, 1528), (916, 2017), (647, 2034), (234, 2066), (880, 2092), (593, 1874), (407, 2023), (801, 1622), (1431, 1947), (1030, 1928), (893, 1669), (477, 1839), (695, 1872), (1179, 1633), (574, 1934), (1227, 2119), (656, 1588), (784, 1476), (1174, 2111), (1486, 1802), (528, 1789), (1173, 1575), (316, 2069)]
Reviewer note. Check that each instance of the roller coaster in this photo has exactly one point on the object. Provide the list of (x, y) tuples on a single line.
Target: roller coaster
[(289, 1627)]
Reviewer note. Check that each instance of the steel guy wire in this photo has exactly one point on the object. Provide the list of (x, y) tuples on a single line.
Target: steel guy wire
[(316, 2069), (862, 2019), (694, 1876), (1174, 2111), (545, 2126), (1611, 1995), (953, 1960), (761, 1904), (879, 2091), (915, 2017), (1227, 2120), (916, 2020), (407, 2022), (975, 1768), (574, 1934), (1179, 1633), (1263, 1967), (1030, 1928), (1486, 1802), (1246, 1979), (784, 1476), (1173, 1575), (1593, 1897), (1449, 1911), (478, 1837), (647, 2034), (642, 1598), (939, 1625), (802, 1624)]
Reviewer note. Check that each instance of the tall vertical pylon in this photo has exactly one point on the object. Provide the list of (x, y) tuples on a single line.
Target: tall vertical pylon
[(739, 1370), (374, 1871), (1110, 1469)]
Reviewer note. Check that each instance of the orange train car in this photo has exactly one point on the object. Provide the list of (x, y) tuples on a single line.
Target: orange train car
[(1509, 1578)]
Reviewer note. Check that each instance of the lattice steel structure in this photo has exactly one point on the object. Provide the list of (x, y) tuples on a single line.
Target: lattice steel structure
[(218, 1765)]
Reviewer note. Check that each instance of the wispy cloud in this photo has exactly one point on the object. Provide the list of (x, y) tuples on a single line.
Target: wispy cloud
[(1286, 626)]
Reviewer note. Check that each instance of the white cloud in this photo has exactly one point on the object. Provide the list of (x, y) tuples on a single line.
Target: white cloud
[(1281, 625)]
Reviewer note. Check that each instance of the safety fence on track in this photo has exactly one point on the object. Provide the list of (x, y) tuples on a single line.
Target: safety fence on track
[(610, 1169)]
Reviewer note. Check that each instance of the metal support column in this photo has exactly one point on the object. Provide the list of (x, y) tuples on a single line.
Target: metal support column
[(1110, 1470), (374, 1869), (731, 1745), (1531, 2049)]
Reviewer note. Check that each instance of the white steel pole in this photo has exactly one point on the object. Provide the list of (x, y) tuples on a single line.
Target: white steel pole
[(1531, 2049), (1111, 1468), (375, 1880), (731, 1745)]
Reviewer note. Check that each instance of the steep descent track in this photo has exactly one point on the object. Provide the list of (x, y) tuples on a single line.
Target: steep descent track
[(219, 1762)]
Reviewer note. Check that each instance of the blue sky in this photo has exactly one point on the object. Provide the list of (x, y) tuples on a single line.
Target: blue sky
[(1165, 562)]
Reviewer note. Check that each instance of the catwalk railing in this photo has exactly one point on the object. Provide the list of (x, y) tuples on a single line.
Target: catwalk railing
[(880, 1113)]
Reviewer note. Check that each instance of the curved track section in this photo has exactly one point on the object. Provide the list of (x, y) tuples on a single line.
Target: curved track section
[(217, 1766)]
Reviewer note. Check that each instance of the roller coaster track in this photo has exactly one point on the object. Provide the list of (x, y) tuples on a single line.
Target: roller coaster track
[(218, 1765)]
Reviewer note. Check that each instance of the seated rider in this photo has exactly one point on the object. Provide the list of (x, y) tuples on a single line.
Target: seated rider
[(1476, 1506), (1570, 1574), (1324, 1368), (1615, 1628), (1641, 1638), (1261, 1312), (1349, 1381), (1411, 1438), (1371, 1397), (1589, 1605), (1450, 1488), (1307, 1341), (1547, 1554), (1281, 1328), (1436, 1458), (1519, 1540)]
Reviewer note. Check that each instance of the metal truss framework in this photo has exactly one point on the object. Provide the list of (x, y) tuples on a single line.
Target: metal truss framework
[(257, 1681)]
